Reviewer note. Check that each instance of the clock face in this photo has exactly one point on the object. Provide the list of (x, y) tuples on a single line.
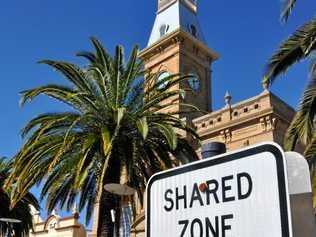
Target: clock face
[(162, 76), (194, 82)]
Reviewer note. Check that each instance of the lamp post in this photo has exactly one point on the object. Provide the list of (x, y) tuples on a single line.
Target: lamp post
[(10, 222), (122, 190)]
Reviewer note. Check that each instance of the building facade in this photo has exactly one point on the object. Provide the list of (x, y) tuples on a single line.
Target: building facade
[(56, 226), (177, 45)]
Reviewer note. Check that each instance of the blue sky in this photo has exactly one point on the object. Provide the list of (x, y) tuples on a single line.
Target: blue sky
[(244, 33)]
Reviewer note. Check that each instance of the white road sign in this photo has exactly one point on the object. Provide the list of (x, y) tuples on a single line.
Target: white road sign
[(241, 194)]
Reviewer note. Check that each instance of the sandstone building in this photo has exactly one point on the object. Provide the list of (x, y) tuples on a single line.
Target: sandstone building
[(177, 45), (56, 226)]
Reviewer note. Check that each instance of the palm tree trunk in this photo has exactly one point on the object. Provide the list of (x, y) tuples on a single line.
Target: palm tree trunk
[(105, 226), (109, 201)]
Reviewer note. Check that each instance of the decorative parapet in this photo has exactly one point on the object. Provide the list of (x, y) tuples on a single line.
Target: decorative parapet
[(54, 225), (260, 114), (235, 113)]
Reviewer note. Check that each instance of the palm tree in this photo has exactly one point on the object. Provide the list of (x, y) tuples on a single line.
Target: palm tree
[(21, 210), (299, 46), (114, 126)]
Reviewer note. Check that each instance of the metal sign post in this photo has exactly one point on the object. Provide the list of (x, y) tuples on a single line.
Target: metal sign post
[(303, 217)]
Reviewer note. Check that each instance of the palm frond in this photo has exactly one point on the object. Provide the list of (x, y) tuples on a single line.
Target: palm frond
[(21, 210), (296, 48), (76, 153), (303, 124), (287, 9)]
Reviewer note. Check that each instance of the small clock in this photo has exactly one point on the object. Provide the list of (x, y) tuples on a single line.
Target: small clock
[(162, 76), (194, 82)]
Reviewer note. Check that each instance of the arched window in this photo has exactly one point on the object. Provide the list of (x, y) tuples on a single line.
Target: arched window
[(163, 29), (193, 30)]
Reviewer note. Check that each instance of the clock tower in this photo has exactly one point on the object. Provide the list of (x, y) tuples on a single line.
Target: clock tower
[(177, 45)]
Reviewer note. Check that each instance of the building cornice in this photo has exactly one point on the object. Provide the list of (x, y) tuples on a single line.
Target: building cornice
[(234, 123), (68, 227), (273, 109), (175, 37), (161, 9), (187, 3)]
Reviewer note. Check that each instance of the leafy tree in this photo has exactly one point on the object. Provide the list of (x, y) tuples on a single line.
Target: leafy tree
[(299, 46), (20, 211), (114, 127)]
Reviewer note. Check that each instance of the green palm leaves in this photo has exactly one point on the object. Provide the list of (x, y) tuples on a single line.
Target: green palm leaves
[(299, 46), (287, 9), (296, 48), (114, 121), (303, 125), (21, 211)]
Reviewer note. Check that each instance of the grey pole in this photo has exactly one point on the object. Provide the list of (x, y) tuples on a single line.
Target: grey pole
[(213, 149), (301, 196)]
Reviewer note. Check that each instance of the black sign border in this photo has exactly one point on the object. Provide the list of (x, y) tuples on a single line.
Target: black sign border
[(278, 155)]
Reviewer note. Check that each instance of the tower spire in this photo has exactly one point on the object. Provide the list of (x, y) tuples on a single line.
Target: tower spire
[(176, 15), (177, 45)]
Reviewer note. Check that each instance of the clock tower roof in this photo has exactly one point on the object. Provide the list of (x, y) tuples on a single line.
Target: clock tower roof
[(176, 15)]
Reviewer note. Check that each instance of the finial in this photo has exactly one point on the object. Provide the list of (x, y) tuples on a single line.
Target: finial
[(265, 86), (34, 211), (227, 98), (75, 209), (54, 212)]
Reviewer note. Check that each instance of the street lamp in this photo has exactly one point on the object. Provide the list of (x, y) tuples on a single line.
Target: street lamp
[(9, 222), (120, 190)]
